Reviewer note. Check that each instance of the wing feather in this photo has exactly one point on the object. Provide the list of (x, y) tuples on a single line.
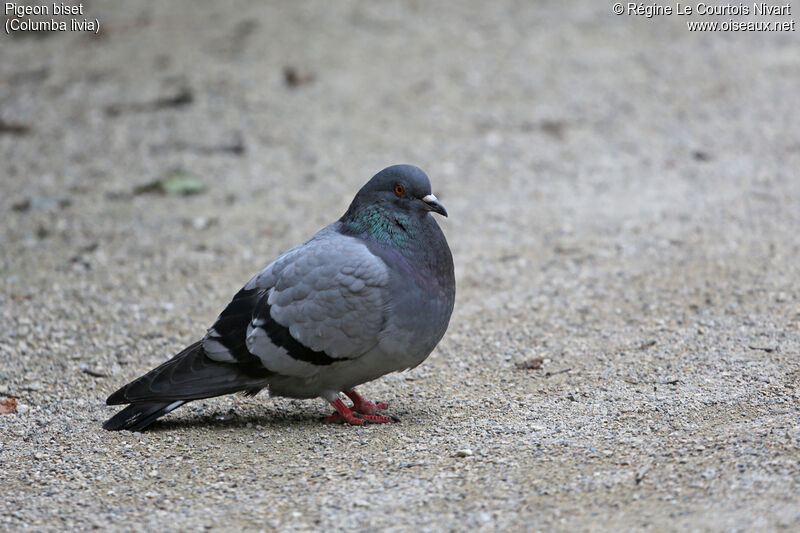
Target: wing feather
[(318, 303)]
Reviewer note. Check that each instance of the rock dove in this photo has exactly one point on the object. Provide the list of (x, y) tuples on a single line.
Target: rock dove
[(370, 294)]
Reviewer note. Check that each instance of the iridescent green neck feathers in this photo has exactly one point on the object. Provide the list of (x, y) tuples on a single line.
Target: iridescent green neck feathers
[(382, 226)]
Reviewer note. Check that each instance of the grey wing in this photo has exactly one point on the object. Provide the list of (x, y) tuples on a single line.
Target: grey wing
[(319, 303)]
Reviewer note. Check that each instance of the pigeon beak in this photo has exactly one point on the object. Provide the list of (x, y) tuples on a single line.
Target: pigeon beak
[(433, 205)]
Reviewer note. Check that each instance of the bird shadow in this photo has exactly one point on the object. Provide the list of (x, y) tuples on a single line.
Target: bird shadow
[(214, 423), (227, 421)]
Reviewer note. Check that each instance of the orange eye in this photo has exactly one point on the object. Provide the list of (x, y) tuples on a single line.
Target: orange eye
[(399, 190)]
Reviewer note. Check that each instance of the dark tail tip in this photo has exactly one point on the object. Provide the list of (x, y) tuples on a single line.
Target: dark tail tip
[(117, 398), (137, 416)]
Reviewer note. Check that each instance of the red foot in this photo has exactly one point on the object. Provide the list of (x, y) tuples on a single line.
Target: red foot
[(345, 414), (364, 406)]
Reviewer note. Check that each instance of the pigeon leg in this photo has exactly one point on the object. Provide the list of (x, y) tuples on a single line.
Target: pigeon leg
[(362, 405), (344, 414)]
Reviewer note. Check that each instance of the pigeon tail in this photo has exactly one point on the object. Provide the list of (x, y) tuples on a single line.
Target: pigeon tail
[(137, 416), (190, 375)]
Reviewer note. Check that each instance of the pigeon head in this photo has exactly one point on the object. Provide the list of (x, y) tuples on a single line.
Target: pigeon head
[(393, 207), (403, 188)]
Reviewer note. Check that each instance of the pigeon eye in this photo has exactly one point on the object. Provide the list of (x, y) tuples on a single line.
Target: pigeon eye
[(399, 190)]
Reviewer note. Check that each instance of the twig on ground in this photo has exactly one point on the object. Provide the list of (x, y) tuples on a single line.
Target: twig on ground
[(641, 473)]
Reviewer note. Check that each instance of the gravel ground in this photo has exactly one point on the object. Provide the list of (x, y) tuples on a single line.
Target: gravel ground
[(624, 205)]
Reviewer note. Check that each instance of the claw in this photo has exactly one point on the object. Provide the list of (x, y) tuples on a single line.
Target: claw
[(345, 414), (364, 406), (377, 419)]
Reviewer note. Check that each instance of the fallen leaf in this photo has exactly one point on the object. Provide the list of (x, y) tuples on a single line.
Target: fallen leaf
[(14, 128), (294, 77), (554, 128), (176, 182), (180, 97), (530, 364), (768, 349), (8, 406), (22, 205), (95, 373)]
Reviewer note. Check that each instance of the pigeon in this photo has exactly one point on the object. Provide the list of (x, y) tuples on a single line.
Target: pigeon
[(369, 294)]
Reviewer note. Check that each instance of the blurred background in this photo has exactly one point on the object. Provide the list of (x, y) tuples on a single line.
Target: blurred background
[(623, 199)]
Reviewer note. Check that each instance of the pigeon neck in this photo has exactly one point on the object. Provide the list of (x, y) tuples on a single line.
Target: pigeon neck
[(376, 223)]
